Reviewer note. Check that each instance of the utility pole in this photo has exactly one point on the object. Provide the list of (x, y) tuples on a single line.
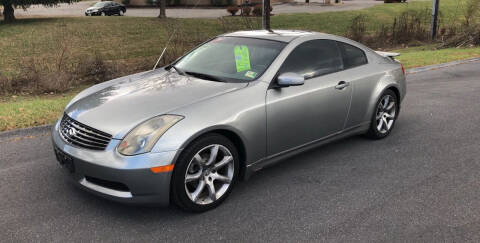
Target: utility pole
[(433, 32), (266, 15)]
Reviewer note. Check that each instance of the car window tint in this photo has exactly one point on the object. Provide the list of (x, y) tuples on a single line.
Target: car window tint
[(314, 58), (352, 56)]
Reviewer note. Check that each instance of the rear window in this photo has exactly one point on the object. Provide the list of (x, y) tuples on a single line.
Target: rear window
[(313, 58), (352, 56)]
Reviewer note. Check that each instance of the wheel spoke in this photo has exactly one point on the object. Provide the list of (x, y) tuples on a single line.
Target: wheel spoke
[(193, 177), (390, 106), (226, 160), (198, 190), (211, 191), (213, 154), (389, 124), (388, 115), (380, 124), (198, 158), (221, 178), (385, 122), (387, 99)]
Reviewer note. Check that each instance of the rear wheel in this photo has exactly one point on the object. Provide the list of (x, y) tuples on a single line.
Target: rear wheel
[(205, 173), (384, 116)]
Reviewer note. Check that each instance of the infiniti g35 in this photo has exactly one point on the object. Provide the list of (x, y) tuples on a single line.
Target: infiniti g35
[(185, 133)]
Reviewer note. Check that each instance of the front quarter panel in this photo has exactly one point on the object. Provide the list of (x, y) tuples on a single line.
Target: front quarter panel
[(241, 111)]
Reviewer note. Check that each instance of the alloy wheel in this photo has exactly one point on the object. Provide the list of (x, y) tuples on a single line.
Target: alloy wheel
[(209, 174), (385, 115)]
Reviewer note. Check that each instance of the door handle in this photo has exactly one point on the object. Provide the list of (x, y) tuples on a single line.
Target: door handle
[(341, 85)]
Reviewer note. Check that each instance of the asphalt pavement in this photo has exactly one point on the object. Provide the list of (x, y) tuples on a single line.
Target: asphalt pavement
[(422, 183)]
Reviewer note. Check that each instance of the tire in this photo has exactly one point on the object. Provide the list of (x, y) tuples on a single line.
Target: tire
[(194, 178), (384, 115)]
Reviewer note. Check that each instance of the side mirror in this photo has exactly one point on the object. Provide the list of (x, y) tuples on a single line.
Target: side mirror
[(290, 79)]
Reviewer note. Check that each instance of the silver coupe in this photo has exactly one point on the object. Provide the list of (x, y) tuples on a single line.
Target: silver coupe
[(187, 132)]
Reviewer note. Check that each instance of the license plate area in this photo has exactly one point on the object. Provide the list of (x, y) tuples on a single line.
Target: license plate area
[(65, 160)]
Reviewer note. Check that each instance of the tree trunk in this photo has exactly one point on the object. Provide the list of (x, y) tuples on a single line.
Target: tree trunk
[(8, 12), (163, 6)]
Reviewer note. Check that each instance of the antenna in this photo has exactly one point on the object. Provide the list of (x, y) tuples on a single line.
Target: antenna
[(168, 41), (164, 49)]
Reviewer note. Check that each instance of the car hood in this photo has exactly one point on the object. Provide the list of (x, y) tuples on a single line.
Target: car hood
[(119, 105)]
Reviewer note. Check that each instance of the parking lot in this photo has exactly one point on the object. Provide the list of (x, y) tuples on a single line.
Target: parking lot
[(419, 184)]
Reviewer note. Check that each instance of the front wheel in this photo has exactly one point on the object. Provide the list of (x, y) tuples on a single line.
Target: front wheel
[(385, 115), (205, 173)]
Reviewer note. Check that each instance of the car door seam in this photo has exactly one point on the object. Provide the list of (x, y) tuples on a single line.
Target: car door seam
[(349, 106)]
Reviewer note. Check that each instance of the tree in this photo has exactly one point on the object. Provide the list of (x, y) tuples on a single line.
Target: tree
[(163, 6), (9, 10)]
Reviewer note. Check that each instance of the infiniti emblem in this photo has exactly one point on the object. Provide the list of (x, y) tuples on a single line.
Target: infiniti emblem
[(72, 132)]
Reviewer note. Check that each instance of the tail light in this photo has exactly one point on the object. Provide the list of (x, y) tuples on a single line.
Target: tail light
[(403, 69)]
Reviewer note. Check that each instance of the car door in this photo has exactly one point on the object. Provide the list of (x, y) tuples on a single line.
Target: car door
[(298, 115), (110, 8)]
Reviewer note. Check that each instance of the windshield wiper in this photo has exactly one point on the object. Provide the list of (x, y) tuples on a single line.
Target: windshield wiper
[(179, 71), (205, 76)]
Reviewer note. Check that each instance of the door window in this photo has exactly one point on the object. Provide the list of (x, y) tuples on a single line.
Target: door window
[(314, 58)]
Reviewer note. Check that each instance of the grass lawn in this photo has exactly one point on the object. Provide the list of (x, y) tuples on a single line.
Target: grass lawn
[(423, 56), (28, 111), (130, 40)]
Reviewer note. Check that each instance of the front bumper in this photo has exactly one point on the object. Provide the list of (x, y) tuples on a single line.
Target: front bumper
[(87, 13), (107, 173)]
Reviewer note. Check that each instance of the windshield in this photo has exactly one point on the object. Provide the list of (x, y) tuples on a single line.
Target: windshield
[(230, 59), (100, 4)]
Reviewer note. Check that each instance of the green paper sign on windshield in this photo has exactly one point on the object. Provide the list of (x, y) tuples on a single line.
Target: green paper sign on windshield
[(242, 58)]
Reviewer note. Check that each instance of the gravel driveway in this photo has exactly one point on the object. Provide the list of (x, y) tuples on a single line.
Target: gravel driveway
[(78, 9)]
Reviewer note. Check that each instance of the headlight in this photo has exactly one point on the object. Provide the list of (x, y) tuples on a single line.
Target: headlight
[(143, 137)]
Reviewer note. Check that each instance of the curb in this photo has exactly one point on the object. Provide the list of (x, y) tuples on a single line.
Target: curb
[(442, 65), (29, 130)]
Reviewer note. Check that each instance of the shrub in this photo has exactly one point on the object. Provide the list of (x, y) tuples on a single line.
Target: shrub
[(246, 10), (126, 2), (232, 10), (358, 28)]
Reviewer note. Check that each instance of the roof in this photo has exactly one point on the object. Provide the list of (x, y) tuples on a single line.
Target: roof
[(277, 35)]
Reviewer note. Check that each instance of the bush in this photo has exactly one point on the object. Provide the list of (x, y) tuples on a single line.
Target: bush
[(126, 2), (258, 10), (358, 28), (232, 10), (246, 10)]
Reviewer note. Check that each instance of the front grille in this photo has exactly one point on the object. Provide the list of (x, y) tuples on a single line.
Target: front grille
[(78, 134)]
